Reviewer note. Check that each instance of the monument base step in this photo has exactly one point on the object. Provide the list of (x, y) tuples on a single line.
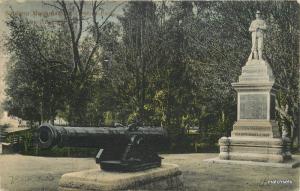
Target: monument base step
[(254, 149), (166, 177), (293, 163), (256, 157)]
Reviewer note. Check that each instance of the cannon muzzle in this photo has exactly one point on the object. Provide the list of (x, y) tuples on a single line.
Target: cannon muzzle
[(46, 136)]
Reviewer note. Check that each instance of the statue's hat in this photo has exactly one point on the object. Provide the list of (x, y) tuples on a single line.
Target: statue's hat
[(258, 12)]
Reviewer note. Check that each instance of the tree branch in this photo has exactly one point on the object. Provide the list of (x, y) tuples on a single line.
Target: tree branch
[(52, 5), (110, 14), (98, 4), (97, 29), (46, 59), (96, 33), (79, 9), (76, 57)]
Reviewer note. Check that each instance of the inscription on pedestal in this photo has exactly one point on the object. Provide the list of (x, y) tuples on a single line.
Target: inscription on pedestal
[(253, 134), (253, 106), (251, 128), (253, 70)]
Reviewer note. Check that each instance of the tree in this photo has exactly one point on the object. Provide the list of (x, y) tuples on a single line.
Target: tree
[(133, 61), (34, 86), (57, 62), (84, 47)]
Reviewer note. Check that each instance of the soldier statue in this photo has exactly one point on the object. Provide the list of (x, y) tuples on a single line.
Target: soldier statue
[(257, 27)]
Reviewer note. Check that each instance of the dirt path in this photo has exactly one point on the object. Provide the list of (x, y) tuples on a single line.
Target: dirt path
[(19, 172)]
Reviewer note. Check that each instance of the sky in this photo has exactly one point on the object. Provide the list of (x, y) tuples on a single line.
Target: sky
[(34, 10)]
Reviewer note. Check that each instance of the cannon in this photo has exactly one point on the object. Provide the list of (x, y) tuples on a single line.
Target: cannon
[(123, 149)]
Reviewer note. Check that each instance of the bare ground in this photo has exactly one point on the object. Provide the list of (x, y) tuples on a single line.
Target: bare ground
[(19, 172)]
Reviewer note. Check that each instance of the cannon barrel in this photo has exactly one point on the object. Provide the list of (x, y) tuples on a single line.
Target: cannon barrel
[(129, 148), (49, 136)]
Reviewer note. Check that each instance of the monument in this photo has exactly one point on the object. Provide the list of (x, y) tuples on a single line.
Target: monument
[(255, 136), (128, 157)]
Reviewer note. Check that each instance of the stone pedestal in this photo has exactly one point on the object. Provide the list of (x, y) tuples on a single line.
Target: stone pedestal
[(166, 177), (255, 135)]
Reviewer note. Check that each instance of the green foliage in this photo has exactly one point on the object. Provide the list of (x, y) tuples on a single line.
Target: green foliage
[(4, 126), (34, 84), (27, 141), (22, 140), (108, 118)]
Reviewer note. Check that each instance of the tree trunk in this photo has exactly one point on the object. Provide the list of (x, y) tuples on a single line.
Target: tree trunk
[(41, 113)]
